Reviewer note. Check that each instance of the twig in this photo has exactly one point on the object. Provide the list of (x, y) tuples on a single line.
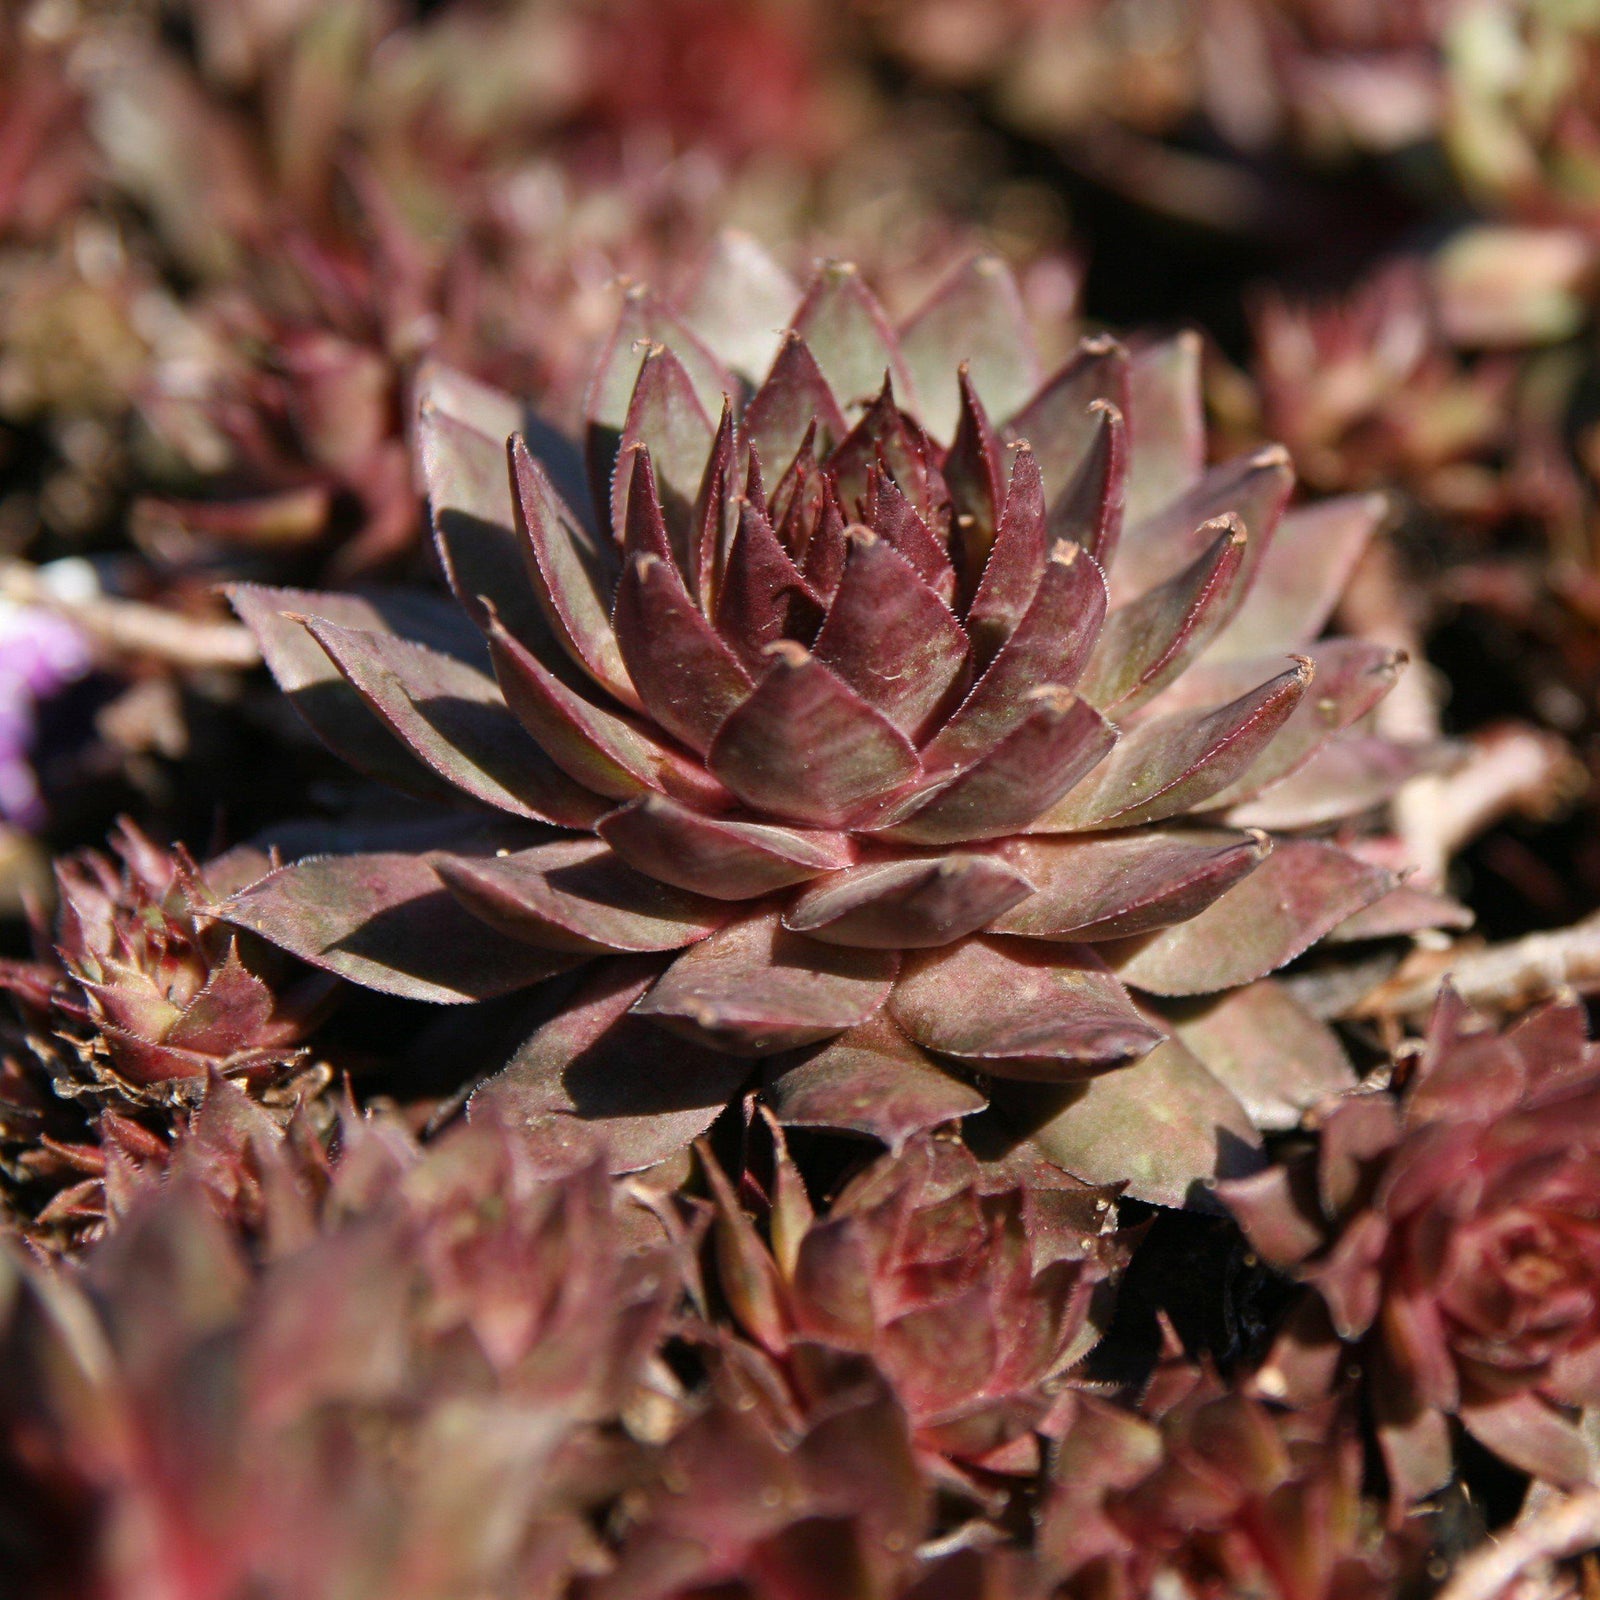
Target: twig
[(1567, 1528), (1509, 768), (134, 628), (1503, 977)]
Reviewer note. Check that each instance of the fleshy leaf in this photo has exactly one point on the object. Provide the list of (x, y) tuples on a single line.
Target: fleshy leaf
[(316, 688), (1147, 643), (596, 748), (1058, 740), (807, 747), (1111, 886), (666, 420), (584, 1064), (974, 317), (907, 904), (1088, 508), (573, 575), (889, 637), (1347, 776), (454, 718), (718, 856), (794, 396), (1057, 421), (763, 596), (1174, 764), (1300, 578), (848, 333), (1048, 645), (577, 895), (753, 988), (1164, 1127), (1275, 1057), (741, 298), (1303, 889), (689, 679), (871, 1080), (1063, 1015), (1254, 488), (386, 921), (1167, 423)]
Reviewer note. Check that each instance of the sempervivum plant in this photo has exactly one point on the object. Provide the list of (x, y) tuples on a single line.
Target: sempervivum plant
[(1455, 1235), (140, 996), (1211, 1492), (969, 1288), (903, 714)]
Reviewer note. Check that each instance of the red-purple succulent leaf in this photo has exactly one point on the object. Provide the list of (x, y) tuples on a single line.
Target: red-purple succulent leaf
[(895, 520), (753, 988), (455, 719), (1064, 1015), (746, 1272), (974, 317), (1057, 421), (1056, 743), (475, 533), (824, 564), (798, 499), (233, 1012), (715, 515), (665, 420), (1414, 1438), (584, 1064), (1049, 645), (794, 396), (642, 324), (890, 637), (806, 747), (1276, 1058), (849, 334), (740, 299), (763, 597), (1348, 776), (1356, 1137), (1162, 1126), (1088, 508), (1402, 911), (333, 710), (573, 575), (833, 1282), (689, 680), (606, 753), (1167, 422), (1277, 1209), (974, 469), (909, 904), (1254, 488), (717, 856), (939, 1355), (385, 921), (1015, 559), (1296, 895), (480, 406), (1113, 886), (871, 1080), (1351, 677), (1150, 641), (1174, 764), (1534, 1437), (1299, 580), (576, 895)]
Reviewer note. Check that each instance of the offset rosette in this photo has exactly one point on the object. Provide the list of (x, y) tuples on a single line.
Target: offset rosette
[(903, 714)]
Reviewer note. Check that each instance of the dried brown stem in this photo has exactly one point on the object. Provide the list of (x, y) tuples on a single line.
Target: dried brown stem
[(1504, 977), (1565, 1529), (131, 627)]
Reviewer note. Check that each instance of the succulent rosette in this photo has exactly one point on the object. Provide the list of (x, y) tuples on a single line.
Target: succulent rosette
[(141, 996), (969, 1286), (1455, 1235), (900, 764), (1211, 1492)]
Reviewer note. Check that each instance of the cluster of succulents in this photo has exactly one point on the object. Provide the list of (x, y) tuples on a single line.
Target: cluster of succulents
[(844, 956)]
